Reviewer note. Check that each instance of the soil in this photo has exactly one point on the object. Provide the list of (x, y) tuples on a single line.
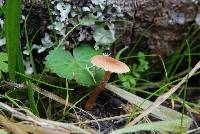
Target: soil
[(104, 109)]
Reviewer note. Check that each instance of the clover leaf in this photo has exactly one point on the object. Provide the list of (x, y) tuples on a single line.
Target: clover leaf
[(3, 64), (143, 64), (76, 66)]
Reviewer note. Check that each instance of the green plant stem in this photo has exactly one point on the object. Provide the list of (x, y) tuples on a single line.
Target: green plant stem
[(33, 105), (28, 44), (12, 31), (51, 19), (66, 35), (153, 94), (41, 82), (138, 41), (173, 67), (185, 88)]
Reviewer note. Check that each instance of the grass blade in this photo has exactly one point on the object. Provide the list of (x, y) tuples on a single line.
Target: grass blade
[(161, 126), (33, 105)]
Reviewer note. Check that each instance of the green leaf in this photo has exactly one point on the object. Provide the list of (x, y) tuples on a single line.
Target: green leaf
[(144, 65), (3, 64), (161, 126), (75, 67), (103, 36), (3, 56), (127, 81)]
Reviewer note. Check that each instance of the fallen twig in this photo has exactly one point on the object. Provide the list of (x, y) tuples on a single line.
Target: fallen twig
[(63, 127), (50, 95), (104, 119)]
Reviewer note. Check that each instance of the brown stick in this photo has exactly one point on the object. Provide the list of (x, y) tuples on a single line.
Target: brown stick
[(98, 90)]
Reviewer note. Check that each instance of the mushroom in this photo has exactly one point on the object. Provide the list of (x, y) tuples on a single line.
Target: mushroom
[(110, 65)]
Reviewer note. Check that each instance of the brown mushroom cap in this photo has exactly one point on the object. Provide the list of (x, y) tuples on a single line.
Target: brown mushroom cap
[(109, 64)]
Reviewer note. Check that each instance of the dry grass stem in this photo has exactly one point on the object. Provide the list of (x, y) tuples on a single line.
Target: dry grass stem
[(163, 97)]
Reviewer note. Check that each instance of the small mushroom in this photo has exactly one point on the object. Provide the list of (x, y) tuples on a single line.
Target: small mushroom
[(110, 65)]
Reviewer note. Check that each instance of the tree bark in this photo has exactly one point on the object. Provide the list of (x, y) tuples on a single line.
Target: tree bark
[(169, 21)]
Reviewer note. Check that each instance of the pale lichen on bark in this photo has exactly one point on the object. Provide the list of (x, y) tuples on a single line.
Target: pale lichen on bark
[(169, 20)]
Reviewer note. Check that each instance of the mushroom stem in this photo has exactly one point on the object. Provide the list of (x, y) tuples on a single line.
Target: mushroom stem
[(98, 90)]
